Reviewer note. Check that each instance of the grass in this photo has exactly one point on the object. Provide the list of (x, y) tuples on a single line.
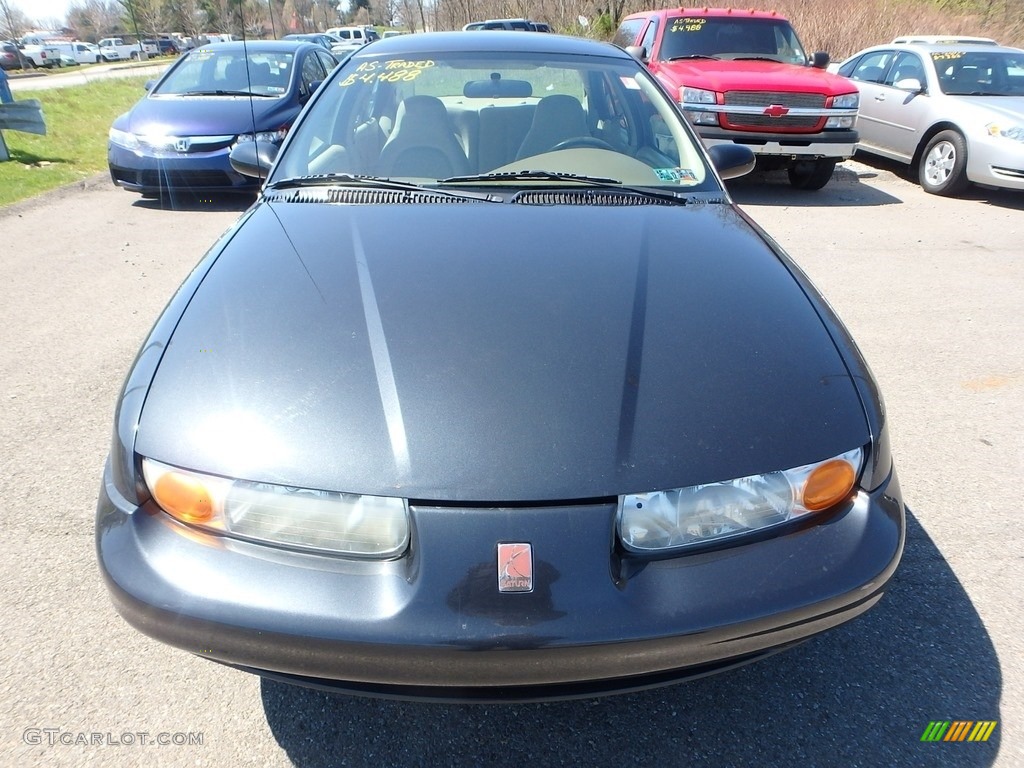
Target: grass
[(75, 144)]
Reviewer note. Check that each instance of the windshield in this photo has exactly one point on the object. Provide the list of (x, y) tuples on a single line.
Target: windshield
[(443, 115), (697, 36), (207, 70), (988, 73)]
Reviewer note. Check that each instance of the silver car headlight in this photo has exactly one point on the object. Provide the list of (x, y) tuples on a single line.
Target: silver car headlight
[(123, 138), (701, 514), (690, 96), (1006, 130), (326, 521)]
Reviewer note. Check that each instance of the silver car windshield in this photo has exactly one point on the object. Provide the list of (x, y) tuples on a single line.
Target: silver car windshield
[(980, 73), (443, 115)]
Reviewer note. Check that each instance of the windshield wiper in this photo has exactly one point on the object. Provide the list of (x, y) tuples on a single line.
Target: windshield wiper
[(691, 56), (221, 93), (532, 176), (379, 182), (600, 182)]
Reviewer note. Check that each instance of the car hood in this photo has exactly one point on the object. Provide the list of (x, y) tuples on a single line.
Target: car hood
[(1009, 108), (207, 115), (752, 75), (490, 352)]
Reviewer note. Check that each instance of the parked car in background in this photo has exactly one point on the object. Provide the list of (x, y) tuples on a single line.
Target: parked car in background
[(116, 49), (78, 52), (40, 55), (330, 42), (744, 77), (179, 135), (11, 56), (517, 406), (518, 25), (163, 46), (952, 112), (354, 35)]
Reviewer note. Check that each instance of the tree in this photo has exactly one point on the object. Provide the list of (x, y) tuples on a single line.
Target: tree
[(13, 23)]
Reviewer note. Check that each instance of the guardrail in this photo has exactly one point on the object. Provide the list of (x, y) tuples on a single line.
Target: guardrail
[(25, 116)]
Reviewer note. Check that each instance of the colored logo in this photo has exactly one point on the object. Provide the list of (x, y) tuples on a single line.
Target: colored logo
[(515, 567), (959, 730), (776, 110)]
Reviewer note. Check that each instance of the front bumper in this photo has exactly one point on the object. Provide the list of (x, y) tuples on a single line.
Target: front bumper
[(432, 624), (838, 145), (152, 173), (997, 162)]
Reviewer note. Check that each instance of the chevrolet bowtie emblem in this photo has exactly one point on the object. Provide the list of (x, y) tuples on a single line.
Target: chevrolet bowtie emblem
[(515, 567), (776, 110)]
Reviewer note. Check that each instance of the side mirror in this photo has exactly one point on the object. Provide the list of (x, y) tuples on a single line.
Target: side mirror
[(148, 85), (253, 158), (732, 160), (910, 84), (637, 52), (820, 60)]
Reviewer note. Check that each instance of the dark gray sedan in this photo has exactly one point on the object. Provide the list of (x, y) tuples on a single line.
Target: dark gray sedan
[(495, 395)]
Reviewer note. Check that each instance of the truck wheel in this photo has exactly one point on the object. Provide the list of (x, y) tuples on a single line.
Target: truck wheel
[(135, 55), (943, 166), (811, 174)]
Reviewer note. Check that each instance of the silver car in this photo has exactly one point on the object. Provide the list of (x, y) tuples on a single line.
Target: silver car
[(955, 112)]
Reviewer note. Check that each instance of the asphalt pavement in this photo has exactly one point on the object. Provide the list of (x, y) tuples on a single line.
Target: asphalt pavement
[(931, 289)]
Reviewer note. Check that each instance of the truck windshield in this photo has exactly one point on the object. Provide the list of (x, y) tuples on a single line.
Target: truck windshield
[(731, 38)]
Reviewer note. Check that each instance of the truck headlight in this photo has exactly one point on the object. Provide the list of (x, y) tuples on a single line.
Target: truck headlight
[(693, 96)]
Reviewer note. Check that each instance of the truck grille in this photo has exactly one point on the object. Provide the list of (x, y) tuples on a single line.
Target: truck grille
[(785, 123)]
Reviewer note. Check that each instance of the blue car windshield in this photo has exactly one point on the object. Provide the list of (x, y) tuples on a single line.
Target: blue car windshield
[(208, 71)]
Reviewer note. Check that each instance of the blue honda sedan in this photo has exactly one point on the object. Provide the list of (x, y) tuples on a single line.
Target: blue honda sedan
[(179, 135)]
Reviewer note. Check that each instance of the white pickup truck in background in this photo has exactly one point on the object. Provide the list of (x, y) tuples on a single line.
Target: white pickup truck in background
[(116, 49)]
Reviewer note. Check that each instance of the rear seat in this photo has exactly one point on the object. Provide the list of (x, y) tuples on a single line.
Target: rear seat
[(491, 134)]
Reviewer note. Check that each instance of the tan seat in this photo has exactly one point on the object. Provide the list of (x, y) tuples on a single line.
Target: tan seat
[(422, 143), (557, 119)]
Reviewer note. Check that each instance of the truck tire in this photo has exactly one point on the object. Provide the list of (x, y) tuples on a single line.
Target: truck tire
[(135, 55), (943, 166), (811, 174)]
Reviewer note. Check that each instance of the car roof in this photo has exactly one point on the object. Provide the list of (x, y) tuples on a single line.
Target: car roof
[(498, 40), (929, 48), (260, 45), (705, 12), (944, 39)]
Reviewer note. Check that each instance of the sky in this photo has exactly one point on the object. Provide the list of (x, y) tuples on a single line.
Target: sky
[(43, 9)]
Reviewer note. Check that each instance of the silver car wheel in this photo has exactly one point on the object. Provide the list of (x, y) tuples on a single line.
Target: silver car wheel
[(943, 166), (939, 163)]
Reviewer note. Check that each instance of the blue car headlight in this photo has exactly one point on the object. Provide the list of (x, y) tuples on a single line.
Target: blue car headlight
[(123, 138), (325, 521), (270, 137), (679, 518)]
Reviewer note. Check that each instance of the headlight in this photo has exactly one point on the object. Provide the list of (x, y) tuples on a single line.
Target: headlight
[(846, 101), (328, 521), (1014, 132), (692, 96), (123, 139), (271, 137), (702, 514)]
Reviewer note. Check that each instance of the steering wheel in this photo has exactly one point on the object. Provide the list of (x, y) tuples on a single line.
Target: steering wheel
[(579, 142)]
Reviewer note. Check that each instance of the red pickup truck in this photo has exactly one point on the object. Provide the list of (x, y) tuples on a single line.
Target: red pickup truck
[(743, 77)]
